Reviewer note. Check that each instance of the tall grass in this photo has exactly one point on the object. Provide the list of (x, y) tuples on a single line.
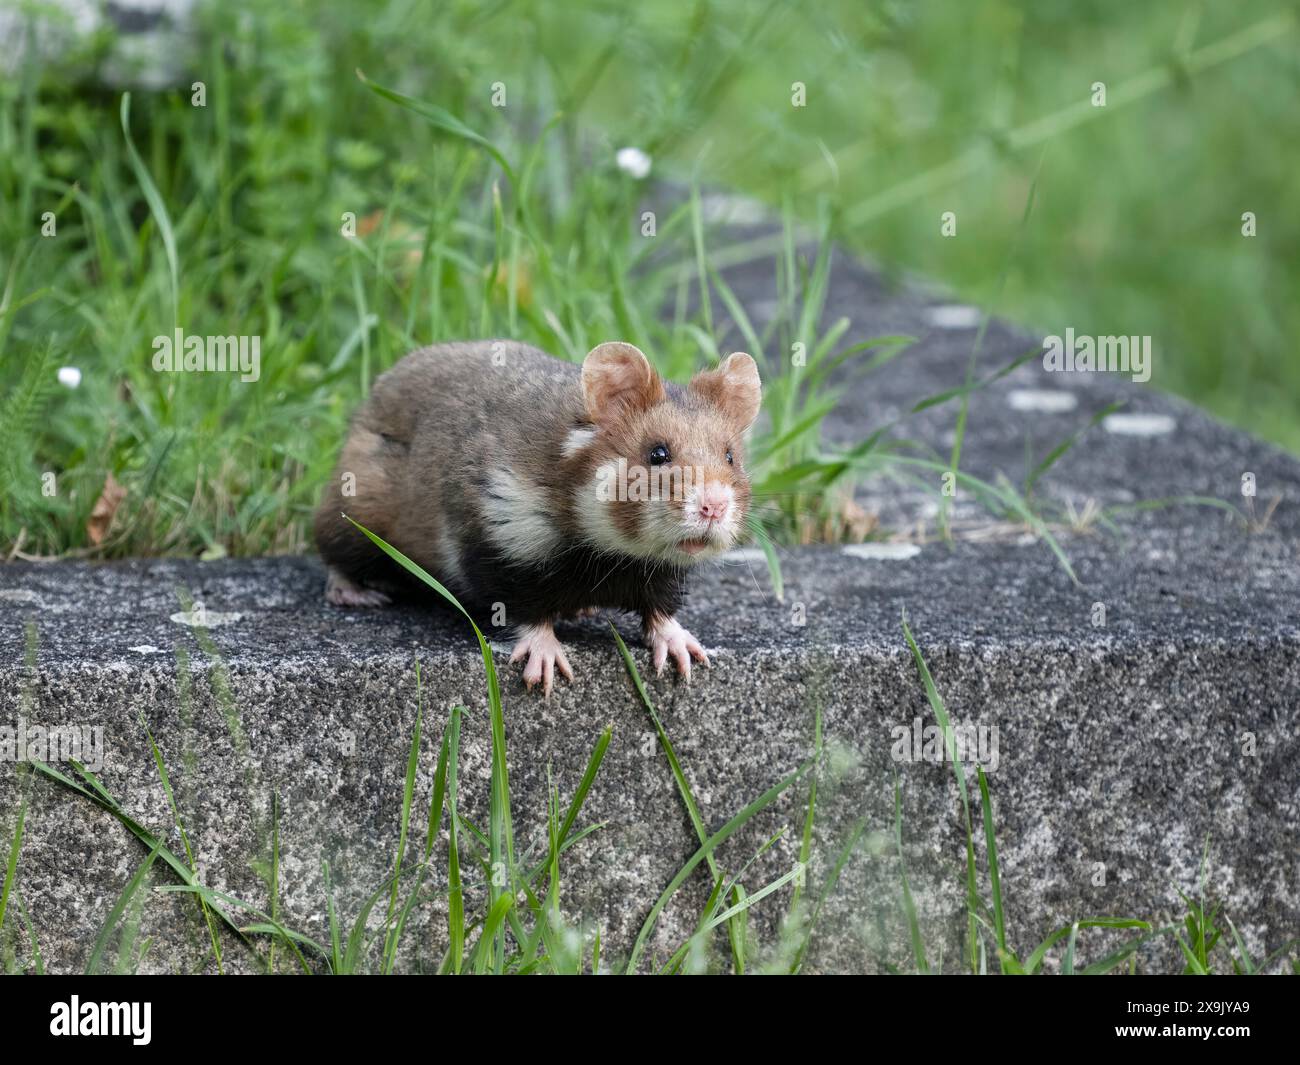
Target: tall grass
[(474, 220)]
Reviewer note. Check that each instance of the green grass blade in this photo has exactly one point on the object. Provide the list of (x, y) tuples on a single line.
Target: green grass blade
[(357, 935), (443, 120), (501, 835), (336, 946), (584, 785), (493, 926), (267, 925), (909, 904), (805, 842), (438, 799), (706, 851), (1065, 445), (157, 207), (697, 238), (1123, 953), (827, 890), (146, 837), (456, 894), (115, 912), (11, 866), (773, 560), (950, 743), (683, 786), (740, 909), (995, 879), (436, 802), (1067, 963), (38, 965), (408, 796), (1035, 959), (189, 853)]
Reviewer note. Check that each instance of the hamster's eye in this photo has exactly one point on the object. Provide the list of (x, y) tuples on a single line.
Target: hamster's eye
[(659, 455), (730, 460)]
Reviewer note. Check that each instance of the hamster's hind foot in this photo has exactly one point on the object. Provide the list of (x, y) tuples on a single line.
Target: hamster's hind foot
[(341, 590)]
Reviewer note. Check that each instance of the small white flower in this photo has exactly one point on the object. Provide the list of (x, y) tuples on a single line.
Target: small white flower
[(633, 161), (69, 376), (954, 316)]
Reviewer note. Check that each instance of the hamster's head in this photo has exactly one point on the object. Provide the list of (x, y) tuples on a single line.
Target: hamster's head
[(662, 467)]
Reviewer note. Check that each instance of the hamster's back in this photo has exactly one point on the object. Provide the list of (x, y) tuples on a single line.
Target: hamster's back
[(444, 392), (424, 443)]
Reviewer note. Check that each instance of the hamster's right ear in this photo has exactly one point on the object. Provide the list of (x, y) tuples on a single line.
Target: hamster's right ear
[(617, 379), (734, 387)]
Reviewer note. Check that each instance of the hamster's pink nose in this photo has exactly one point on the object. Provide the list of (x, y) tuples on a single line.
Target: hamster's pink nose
[(714, 502)]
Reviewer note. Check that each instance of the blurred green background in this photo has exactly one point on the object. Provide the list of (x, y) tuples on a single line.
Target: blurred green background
[(1137, 222), (912, 109)]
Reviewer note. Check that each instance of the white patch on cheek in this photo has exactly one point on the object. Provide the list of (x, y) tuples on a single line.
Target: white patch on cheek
[(663, 523), (593, 508), (576, 441), (517, 518)]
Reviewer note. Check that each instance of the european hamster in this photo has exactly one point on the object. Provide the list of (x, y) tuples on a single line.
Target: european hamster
[(536, 490)]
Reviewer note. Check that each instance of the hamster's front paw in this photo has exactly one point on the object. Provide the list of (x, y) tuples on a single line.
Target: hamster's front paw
[(666, 637), (545, 654)]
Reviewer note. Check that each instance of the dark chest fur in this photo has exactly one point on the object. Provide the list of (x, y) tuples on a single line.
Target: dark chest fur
[(568, 581)]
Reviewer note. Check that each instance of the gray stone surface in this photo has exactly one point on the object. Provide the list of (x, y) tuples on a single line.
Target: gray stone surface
[(1122, 747), (145, 44)]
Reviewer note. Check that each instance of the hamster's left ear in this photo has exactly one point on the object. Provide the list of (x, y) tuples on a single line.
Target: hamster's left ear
[(734, 387), (617, 380)]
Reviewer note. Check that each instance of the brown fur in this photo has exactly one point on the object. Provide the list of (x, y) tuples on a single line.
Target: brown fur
[(441, 424)]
